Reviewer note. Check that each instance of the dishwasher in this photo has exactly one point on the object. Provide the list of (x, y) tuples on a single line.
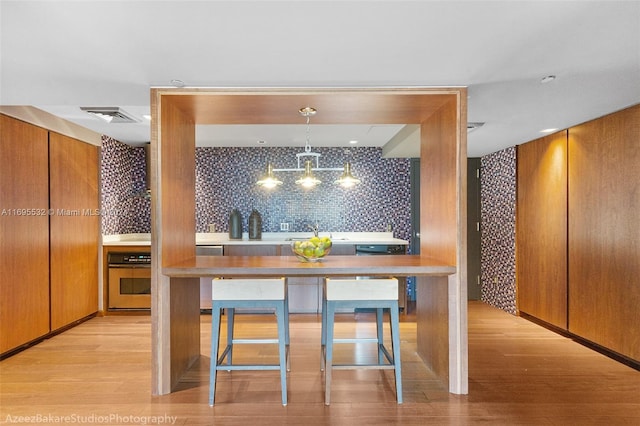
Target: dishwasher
[(205, 283), (387, 249)]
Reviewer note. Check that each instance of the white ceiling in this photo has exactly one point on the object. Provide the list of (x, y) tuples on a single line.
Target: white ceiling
[(60, 55)]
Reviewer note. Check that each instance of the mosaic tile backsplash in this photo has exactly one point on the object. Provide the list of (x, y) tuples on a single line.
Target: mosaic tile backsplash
[(498, 219), (225, 179), (125, 204)]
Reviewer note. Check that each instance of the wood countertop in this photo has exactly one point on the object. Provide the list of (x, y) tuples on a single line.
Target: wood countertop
[(270, 266)]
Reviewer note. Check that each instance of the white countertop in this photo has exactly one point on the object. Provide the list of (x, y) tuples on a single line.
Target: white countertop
[(222, 238)]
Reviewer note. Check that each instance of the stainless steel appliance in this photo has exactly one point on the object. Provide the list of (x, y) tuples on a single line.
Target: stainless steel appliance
[(129, 281), (387, 249)]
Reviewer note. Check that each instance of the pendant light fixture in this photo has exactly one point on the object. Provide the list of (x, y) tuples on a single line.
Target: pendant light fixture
[(269, 180), (347, 180), (308, 180)]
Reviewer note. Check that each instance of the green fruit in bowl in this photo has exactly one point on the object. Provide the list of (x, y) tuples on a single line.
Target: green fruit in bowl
[(311, 250)]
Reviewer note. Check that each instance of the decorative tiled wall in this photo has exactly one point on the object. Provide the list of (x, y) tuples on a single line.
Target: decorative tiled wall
[(498, 219), (225, 179), (126, 207)]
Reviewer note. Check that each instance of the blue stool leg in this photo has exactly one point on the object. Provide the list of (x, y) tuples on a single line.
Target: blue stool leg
[(331, 309), (286, 326), (215, 339), (323, 333), (395, 342), (282, 349), (380, 331), (231, 314)]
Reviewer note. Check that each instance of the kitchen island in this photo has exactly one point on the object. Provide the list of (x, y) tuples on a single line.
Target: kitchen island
[(440, 112), (183, 348)]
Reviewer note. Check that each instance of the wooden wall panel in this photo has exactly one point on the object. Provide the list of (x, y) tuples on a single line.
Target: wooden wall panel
[(541, 229), (75, 229), (604, 231), (24, 238), (439, 186)]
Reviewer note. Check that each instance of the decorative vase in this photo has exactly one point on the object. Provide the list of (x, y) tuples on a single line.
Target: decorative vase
[(255, 225), (235, 225)]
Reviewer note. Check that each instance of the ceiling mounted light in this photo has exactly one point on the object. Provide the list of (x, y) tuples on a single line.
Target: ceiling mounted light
[(269, 180), (308, 180)]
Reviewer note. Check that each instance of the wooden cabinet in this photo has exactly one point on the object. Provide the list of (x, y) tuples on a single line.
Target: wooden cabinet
[(49, 229), (541, 229), (24, 233), (604, 231), (75, 229), (578, 232)]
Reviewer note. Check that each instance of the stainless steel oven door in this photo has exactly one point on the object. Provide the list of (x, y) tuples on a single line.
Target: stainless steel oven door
[(129, 287)]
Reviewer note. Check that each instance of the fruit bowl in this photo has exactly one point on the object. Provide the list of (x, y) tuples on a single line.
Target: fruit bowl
[(311, 250)]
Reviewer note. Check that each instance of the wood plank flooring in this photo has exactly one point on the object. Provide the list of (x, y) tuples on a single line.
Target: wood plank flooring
[(520, 374)]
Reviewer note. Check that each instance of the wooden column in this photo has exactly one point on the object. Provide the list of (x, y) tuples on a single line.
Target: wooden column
[(442, 313), (175, 308)]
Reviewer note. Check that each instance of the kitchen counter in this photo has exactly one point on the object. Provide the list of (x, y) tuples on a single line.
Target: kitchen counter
[(277, 238)]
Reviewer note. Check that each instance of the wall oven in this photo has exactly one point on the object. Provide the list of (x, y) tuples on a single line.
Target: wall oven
[(129, 281)]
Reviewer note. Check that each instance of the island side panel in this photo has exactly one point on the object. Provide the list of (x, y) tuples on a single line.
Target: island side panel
[(433, 330)]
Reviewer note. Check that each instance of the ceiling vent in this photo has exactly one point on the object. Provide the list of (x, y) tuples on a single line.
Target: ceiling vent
[(471, 126), (111, 114)]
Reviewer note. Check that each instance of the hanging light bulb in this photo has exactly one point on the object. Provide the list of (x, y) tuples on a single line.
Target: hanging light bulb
[(347, 180), (308, 180), (269, 180)]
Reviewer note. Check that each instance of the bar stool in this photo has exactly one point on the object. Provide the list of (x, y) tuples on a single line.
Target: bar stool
[(378, 294), (230, 294)]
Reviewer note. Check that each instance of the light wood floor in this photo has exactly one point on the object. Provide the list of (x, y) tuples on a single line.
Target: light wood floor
[(519, 374)]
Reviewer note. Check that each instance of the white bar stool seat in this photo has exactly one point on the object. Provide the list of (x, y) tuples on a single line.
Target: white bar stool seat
[(378, 294), (230, 294)]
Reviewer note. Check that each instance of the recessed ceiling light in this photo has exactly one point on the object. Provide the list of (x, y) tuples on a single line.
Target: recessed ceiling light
[(177, 83), (353, 142), (261, 142), (548, 130), (548, 79)]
